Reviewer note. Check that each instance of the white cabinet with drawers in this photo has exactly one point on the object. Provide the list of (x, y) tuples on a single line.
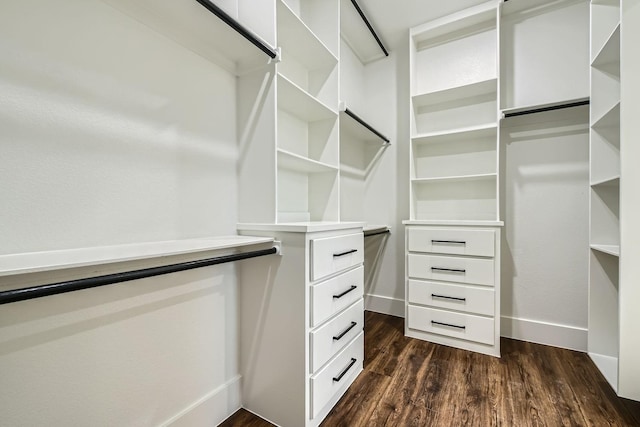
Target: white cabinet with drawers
[(301, 322), (453, 285)]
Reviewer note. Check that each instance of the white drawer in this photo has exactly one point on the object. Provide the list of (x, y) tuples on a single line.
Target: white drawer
[(458, 325), (454, 297), (327, 340), (335, 294), (341, 370), (451, 269), (330, 255), (452, 241)]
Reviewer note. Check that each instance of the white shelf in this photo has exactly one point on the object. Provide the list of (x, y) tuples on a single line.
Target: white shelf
[(612, 181), (546, 106), (295, 100), (609, 118), (356, 34), (33, 262), (302, 227), (299, 41), (192, 26), (467, 223), (471, 90), (610, 51), (457, 178), (359, 131), (607, 249), (453, 134), (295, 162), (373, 229)]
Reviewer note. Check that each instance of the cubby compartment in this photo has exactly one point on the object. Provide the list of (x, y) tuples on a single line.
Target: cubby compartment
[(604, 313), (465, 153), (321, 17), (454, 52), (462, 199), (307, 191), (605, 213), (306, 61), (605, 154), (605, 22), (305, 126)]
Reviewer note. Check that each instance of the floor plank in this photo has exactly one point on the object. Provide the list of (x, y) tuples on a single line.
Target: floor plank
[(408, 382)]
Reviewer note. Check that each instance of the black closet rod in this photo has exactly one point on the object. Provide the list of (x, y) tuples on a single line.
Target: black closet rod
[(368, 24), (355, 117), (23, 294), (549, 108), (241, 29), (377, 233)]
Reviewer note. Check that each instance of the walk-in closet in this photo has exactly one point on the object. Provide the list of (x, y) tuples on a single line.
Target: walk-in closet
[(306, 213)]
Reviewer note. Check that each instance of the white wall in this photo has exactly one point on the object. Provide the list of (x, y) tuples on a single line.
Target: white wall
[(113, 134), (545, 170)]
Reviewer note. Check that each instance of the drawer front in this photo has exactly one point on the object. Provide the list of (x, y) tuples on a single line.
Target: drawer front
[(452, 241), (336, 294), (330, 255), (478, 271), (327, 340), (457, 325), (342, 369), (453, 297)]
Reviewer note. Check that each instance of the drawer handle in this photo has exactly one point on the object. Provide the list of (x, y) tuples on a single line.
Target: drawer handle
[(343, 333), (433, 322), (455, 242), (447, 297), (343, 373), (453, 270), (353, 287), (345, 253)]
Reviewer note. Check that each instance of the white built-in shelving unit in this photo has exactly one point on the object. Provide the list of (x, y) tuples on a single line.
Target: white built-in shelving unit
[(605, 176)]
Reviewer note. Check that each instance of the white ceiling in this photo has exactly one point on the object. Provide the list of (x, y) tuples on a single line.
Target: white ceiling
[(392, 18)]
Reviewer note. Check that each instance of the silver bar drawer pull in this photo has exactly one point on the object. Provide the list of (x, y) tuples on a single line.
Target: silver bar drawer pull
[(447, 297), (454, 242), (344, 372), (352, 288), (452, 270), (345, 332), (345, 253), (433, 322)]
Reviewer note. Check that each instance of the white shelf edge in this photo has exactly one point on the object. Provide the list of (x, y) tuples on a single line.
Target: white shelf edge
[(455, 178), (302, 23), (605, 46), (372, 228), (454, 22), (469, 90), (33, 262), (469, 129), (314, 165), (610, 181), (607, 249), (468, 223), (300, 227), (306, 94)]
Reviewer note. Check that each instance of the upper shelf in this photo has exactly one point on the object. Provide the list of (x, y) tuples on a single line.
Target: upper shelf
[(203, 28), (357, 127), (358, 32), (610, 51), (33, 262), (297, 101)]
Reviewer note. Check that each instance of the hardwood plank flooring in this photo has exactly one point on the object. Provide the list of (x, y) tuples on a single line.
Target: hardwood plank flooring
[(408, 382)]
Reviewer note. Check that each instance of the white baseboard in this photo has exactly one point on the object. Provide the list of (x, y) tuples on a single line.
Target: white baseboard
[(384, 305), (211, 409), (553, 334)]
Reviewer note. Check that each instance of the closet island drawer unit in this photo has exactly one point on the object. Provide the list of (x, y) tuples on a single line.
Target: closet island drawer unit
[(453, 285), (302, 321)]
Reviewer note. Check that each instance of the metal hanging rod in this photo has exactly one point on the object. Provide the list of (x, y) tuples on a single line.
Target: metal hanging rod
[(23, 294), (241, 29), (548, 108), (368, 24), (377, 233), (355, 117)]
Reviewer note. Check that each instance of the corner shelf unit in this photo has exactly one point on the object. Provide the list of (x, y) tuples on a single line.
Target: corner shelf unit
[(454, 116), (605, 177)]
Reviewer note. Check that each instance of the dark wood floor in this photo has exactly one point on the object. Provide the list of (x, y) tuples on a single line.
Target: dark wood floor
[(407, 382)]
